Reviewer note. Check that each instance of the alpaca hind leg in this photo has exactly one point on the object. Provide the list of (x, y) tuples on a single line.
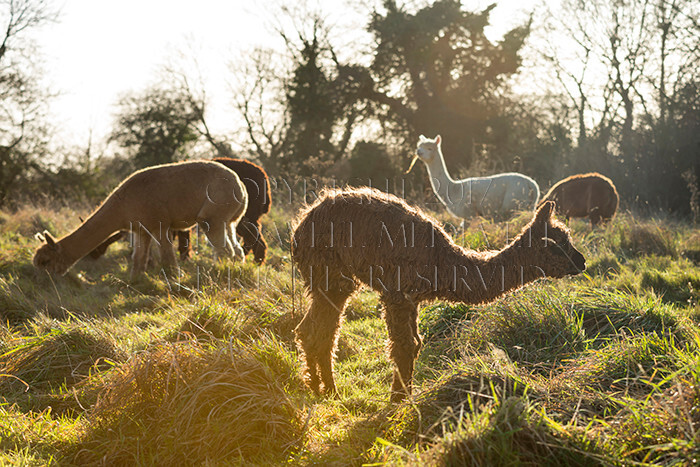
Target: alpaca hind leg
[(401, 319), (217, 235), (317, 335), (239, 254)]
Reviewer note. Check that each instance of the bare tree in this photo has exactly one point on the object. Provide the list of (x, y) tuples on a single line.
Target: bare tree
[(23, 124), (258, 82)]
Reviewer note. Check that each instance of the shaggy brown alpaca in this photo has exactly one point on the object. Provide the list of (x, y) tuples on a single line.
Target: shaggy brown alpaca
[(257, 185), (589, 195), (152, 202), (364, 236)]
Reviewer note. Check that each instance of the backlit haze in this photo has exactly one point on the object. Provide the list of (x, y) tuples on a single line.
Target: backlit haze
[(100, 50)]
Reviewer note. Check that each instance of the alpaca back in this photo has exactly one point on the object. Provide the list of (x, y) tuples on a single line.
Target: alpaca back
[(367, 234), (501, 193), (580, 195), (177, 192)]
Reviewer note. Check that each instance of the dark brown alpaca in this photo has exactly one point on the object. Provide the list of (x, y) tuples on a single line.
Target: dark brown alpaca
[(364, 236), (257, 184), (589, 195)]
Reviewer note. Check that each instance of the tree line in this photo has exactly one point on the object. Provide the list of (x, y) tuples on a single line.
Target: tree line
[(604, 85)]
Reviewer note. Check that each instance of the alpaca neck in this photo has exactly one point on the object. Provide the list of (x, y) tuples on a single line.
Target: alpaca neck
[(477, 277), (445, 187), (96, 228)]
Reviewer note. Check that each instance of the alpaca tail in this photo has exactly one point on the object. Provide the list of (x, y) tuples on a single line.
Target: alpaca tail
[(611, 205)]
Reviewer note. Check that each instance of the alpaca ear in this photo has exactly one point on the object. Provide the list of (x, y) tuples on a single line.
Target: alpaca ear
[(49, 239), (422, 138), (438, 139), (544, 213)]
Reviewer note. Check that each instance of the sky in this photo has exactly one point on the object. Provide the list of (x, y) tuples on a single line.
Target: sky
[(98, 50)]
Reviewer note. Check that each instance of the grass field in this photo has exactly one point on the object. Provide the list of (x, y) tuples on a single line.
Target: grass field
[(201, 368)]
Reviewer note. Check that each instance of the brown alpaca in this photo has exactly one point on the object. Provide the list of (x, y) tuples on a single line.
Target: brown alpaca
[(589, 195), (152, 202), (257, 185), (364, 236)]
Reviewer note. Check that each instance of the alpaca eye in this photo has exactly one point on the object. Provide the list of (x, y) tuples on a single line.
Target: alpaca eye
[(556, 248)]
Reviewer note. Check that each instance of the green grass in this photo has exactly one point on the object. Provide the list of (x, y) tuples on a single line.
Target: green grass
[(200, 367)]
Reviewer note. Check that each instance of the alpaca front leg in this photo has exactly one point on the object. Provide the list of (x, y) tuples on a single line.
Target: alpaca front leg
[(142, 243), (253, 240), (184, 247), (167, 254), (401, 319), (318, 335)]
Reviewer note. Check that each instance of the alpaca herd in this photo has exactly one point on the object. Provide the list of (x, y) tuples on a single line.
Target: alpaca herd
[(346, 239)]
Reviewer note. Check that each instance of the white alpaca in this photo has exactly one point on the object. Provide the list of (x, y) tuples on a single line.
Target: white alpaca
[(496, 194)]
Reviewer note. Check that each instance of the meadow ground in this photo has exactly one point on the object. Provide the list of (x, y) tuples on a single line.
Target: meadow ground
[(201, 368)]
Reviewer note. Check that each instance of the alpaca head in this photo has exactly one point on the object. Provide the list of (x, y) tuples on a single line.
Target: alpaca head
[(427, 150), (548, 245), (50, 256)]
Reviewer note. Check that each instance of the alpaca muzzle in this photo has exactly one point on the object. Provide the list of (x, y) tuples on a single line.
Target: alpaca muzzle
[(578, 263)]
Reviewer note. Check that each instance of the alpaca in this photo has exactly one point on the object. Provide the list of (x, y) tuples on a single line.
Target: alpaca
[(152, 202), (498, 194), (257, 185), (364, 236), (589, 195)]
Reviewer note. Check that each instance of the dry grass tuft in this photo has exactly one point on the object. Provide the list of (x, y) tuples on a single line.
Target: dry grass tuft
[(185, 402), (650, 239), (508, 433), (439, 409), (62, 356)]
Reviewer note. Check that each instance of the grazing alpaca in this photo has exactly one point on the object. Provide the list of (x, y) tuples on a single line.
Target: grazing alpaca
[(151, 202), (498, 194), (589, 195), (364, 236), (257, 185)]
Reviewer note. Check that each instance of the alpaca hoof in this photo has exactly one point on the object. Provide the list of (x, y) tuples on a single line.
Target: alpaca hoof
[(239, 255), (398, 396), (314, 384), (331, 392)]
